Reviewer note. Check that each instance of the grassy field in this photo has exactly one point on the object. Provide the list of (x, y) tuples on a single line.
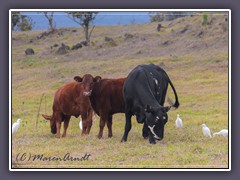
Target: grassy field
[(197, 66)]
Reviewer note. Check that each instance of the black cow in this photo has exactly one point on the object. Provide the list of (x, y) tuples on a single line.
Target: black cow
[(144, 94)]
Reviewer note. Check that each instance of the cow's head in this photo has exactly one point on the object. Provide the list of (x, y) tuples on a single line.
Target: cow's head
[(156, 118), (53, 127), (87, 81), (52, 123)]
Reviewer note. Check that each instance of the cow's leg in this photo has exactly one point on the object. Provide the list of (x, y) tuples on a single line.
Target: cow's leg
[(103, 119), (145, 130), (109, 125), (58, 120), (151, 138), (58, 125), (128, 126), (89, 126), (66, 122), (89, 121)]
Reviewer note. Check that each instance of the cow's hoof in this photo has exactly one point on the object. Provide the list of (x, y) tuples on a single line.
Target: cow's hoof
[(123, 140), (99, 137), (110, 135), (83, 134), (64, 135), (145, 137), (152, 142)]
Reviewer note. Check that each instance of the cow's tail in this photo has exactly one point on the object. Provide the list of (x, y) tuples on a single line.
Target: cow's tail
[(47, 117), (176, 104)]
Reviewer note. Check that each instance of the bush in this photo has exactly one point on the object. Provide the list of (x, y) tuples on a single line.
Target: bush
[(205, 19), (15, 19), (26, 23), (168, 16)]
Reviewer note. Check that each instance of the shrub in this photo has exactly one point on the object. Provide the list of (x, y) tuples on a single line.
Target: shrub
[(205, 19), (26, 23)]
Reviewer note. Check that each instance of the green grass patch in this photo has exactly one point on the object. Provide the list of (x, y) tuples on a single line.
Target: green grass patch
[(218, 58)]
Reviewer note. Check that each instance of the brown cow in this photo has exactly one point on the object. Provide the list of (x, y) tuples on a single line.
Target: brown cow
[(71, 100), (106, 99)]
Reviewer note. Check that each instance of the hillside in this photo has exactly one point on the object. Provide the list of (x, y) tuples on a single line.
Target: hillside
[(194, 56)]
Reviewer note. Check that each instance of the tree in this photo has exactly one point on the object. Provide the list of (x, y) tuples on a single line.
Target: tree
[(22, 22), (205, 19), (84, 19), (156, 16), (15, 19), (49, 16), (167, 16), (177, 14), (25, 23)]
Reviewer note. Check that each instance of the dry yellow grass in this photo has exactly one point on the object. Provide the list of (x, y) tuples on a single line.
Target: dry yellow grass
[(198, 68)]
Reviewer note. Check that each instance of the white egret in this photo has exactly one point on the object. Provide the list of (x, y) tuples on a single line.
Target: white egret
[(206, 131), (223, 132), (80, 124), (15, 126), (178, 122)]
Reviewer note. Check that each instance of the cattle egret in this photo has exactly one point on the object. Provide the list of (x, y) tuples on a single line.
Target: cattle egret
[(223, 132), (80, 124), (15, 126), (178, 122), (206, 131)]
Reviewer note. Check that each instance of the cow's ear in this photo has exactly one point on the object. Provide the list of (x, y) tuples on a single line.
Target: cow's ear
[(148, 108), (46, 117), (78, 78), (97, 79), (167, 108)]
